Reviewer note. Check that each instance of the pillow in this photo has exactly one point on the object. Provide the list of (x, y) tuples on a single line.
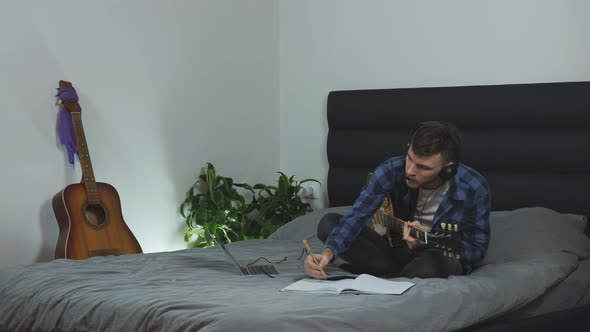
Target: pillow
[(533, 232), (306, 226), (579, 220)]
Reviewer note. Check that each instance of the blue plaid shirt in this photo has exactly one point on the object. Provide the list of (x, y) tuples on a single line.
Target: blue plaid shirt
[(466, 203)]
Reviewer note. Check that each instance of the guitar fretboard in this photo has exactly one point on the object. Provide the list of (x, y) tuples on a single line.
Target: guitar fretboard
[(397, 225), (85, 162)]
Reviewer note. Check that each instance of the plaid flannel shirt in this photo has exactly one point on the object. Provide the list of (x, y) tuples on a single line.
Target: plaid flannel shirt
[(466, 203)]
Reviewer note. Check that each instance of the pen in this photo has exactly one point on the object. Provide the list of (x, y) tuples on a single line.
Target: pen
[(308, 248)]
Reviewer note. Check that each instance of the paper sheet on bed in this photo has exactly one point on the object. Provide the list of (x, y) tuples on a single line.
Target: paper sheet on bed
[(363, 284)]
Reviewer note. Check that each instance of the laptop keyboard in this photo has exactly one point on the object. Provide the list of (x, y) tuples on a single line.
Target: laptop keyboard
[(261, 269)]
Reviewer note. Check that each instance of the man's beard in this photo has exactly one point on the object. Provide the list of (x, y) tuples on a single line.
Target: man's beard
[(411, 183)]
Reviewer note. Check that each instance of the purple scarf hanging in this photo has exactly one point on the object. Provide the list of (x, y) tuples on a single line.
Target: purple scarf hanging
[(65, 127)]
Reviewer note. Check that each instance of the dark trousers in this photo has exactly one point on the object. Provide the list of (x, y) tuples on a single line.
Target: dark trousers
[(370, 253)]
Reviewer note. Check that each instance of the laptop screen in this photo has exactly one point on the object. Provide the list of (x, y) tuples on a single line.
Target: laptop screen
[(231, 258)]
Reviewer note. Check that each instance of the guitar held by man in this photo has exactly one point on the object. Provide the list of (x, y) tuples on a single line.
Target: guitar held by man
[(386, 224)]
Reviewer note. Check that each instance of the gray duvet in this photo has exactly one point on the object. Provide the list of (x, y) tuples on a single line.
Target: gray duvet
[(198, 289)]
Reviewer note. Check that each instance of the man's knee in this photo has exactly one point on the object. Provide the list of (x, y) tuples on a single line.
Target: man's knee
[(327, 223)]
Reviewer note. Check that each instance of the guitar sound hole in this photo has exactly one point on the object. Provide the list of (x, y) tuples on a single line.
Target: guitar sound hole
[(95, 215)]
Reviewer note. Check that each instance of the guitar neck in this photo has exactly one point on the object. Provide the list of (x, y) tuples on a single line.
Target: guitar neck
[(85, 162), (397, 225)]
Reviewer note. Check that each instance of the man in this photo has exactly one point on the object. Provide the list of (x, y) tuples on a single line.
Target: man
[(430, 187)]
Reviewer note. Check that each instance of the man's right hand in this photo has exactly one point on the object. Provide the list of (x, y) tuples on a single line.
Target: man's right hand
[(315, 270)]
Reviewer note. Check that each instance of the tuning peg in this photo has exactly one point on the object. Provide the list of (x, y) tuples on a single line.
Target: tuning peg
[(59, 102), (445, 253), (456, 228), (443, 225), (457, 256)]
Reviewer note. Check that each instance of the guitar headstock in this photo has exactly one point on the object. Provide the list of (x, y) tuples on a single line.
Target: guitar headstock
[(71, 106), (447, 239)]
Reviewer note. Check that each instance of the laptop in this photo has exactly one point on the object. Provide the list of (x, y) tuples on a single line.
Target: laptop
[(248, 269)]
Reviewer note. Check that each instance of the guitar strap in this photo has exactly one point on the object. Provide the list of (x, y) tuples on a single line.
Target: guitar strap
[(65, 125)]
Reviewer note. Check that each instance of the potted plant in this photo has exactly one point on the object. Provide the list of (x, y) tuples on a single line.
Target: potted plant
[(213, 203), (277, 205)]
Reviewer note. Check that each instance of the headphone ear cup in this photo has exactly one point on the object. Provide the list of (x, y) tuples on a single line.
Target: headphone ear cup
[(447, 172)]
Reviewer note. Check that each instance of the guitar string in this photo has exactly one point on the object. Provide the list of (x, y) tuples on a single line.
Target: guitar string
[(79, 132), (421, 212), (400, 227), (86, 167), (400, 222)]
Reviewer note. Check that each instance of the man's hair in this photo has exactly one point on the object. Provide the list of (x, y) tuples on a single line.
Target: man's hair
[(432, 137)]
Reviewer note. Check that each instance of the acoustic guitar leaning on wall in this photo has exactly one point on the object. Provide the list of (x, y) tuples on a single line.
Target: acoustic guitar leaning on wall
[(89, 213)]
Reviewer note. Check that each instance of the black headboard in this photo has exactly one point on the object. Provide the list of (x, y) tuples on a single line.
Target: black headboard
[(530, 141)]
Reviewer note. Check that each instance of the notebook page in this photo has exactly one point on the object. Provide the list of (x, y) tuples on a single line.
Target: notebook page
[(320, 286), (368, 284), (363, 284)]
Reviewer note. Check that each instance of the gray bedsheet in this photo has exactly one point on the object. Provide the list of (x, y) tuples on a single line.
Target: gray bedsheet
[(198, 289), (572, 292)]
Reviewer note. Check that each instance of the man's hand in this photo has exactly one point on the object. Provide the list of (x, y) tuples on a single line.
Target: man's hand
[(412, 242), (315, 270)]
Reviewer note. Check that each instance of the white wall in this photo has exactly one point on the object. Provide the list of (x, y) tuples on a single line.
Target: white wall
[(164, 85), (345, 44)]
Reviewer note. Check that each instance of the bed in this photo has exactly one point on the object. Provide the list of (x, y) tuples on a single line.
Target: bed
[(530, 141)]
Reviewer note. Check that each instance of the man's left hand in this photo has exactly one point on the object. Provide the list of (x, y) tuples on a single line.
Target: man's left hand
[(412, 242)]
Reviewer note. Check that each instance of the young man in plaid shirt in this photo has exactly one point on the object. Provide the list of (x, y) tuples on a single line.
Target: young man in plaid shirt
[(433, 188)]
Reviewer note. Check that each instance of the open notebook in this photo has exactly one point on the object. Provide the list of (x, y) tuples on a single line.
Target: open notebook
[(363, 284)]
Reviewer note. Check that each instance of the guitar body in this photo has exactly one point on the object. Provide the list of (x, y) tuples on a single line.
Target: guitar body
[(87, 230), (377, 223)]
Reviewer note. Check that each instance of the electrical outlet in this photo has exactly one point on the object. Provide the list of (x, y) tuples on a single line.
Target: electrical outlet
[(311, 190)]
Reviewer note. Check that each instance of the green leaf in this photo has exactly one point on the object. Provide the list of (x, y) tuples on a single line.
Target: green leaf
[(199, 232), (201, 214), (181, 211), (259, 186), (228, 182), (217, 197), (291, 191), (283, 184)]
